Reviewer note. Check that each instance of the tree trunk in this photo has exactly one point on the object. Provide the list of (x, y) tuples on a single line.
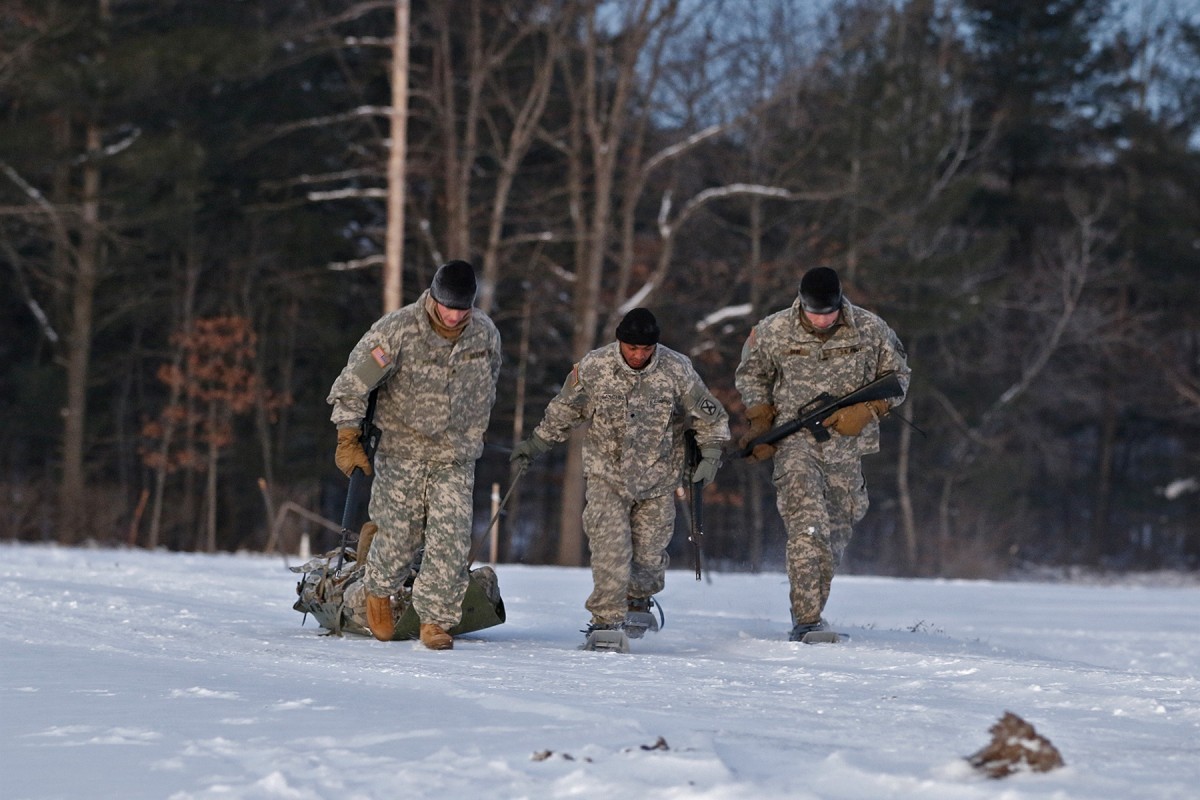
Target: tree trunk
[(518, 429), (1099, 545), (570, 522), (754, 500), (393, 270), (72, 505), (210, 483), (186, 312)]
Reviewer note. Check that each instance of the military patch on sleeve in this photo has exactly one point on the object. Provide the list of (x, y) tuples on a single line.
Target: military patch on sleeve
[(703, 403), (573, 378), (373, 369), (381, 357), (749, 343)]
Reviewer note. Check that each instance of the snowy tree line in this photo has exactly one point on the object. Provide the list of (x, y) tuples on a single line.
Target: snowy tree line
[(193, 216)]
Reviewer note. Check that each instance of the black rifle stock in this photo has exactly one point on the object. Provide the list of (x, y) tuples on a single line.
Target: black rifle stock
[(695, 495), (817, 410), (368, 437)]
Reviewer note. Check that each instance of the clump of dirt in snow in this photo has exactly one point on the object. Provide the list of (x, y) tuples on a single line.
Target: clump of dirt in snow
[(1015, 747)]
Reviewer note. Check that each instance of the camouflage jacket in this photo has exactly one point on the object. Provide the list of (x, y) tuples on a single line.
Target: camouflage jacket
[(435, 396), (637, 418), (786, 365)]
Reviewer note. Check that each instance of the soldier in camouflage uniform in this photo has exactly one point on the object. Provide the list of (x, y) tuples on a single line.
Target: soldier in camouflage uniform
[(822, 343), (639, 397), (435, 363)]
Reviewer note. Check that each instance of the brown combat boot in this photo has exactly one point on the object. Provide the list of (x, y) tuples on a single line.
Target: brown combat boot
[(379, 617), (435, 637)]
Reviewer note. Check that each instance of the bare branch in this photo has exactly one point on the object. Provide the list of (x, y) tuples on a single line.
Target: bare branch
[(1075, 259), (683, 146), (31, 302), (39, 200), (667, 228), (349, 15), (131, 136), (347, 194), (722, 314), (369, 41), (358, 263), (279, 131), (329, 177)]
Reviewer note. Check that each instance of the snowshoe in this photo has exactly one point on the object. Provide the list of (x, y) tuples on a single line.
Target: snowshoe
[(640, 617), (815, 633), (605, 637)]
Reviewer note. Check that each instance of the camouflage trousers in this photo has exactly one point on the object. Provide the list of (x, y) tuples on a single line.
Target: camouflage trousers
[(422, 504), (819, 502), (628, 541)]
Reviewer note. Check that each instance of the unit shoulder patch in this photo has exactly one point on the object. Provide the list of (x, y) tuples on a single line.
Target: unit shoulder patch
[(703, 403)]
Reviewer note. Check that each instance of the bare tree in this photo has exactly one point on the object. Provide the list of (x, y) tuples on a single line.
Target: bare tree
[(480, 115), (1067, 266)]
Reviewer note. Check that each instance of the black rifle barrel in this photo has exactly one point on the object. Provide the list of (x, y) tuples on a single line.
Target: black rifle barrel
[(695, 496)]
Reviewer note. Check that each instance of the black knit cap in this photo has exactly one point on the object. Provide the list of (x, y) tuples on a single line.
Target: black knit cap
[(638, 327), (454, 285), (820, 291)]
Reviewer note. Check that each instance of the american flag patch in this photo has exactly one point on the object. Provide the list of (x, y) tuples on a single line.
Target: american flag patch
[(381, 357)]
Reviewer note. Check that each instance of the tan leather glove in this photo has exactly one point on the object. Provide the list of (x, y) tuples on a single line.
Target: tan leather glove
[(350, 453), (761, 418), (851, 420)]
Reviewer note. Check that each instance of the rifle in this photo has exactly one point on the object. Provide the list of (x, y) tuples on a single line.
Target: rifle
[(821, 407), (359, 481), (695, 496)]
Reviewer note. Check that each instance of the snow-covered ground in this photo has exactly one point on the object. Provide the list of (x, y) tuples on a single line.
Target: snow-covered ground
[(130, 674)]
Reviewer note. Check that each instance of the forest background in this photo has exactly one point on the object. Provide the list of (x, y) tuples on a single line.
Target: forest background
[(194, 218)]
